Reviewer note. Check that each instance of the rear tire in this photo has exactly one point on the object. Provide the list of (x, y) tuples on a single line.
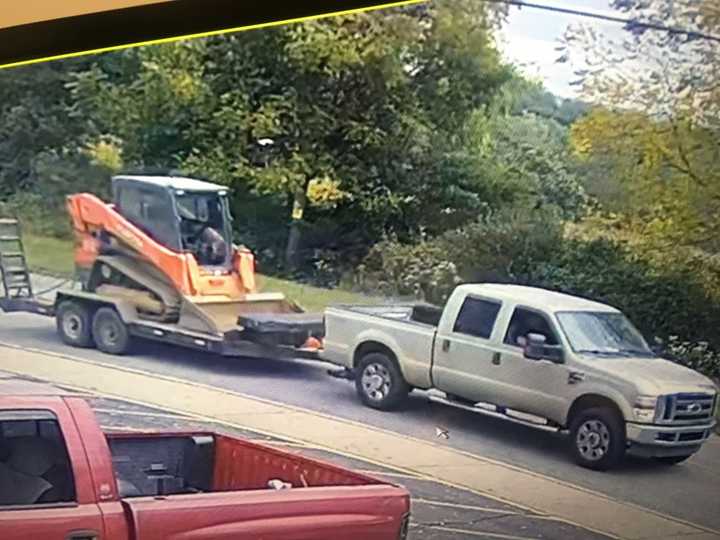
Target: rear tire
[(598, 438), (379, 382), (109, 331), (73, 323), (671, 460)]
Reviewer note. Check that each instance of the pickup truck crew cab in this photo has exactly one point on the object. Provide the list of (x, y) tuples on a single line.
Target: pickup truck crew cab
[(62, 478), (534, 356)]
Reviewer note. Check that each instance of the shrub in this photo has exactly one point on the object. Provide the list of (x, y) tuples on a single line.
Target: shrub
[(395, 269), (695, 355), (500, 247)]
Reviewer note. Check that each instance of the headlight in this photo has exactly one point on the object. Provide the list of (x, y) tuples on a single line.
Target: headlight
[(646, 408)]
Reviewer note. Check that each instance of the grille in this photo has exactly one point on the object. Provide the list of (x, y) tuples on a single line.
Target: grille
[(688, 408)]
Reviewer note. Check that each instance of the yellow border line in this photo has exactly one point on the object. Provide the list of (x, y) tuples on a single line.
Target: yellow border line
[(212, 33), (277, 404), (468, 532)]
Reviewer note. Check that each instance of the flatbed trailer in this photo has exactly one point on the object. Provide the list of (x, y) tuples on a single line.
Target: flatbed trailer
[(259, 336)]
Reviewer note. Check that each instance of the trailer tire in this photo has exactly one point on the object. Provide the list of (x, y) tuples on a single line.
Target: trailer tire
[(379, 382), (73, 322), (110, 332)]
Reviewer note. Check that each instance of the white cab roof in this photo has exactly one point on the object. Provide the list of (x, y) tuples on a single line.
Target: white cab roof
[(175, 182), (535, 297)]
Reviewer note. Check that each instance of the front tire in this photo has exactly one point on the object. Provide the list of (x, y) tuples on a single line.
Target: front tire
[(73, 322), (598, 438), (109, 331), (379, 382)]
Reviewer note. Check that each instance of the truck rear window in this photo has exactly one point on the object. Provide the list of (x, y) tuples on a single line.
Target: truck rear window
[(477, 317), (34, 463)]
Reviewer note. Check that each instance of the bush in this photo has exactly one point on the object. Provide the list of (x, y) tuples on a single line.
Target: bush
[(394, 269), (500, 247), (695, 355), (661, 302)]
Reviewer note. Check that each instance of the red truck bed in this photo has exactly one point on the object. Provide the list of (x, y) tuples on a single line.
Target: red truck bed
[(152, 486)]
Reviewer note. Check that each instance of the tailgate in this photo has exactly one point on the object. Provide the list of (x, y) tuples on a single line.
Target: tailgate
[(377, 512)]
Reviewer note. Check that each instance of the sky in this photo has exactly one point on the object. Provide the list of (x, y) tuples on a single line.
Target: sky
[(531, 36)]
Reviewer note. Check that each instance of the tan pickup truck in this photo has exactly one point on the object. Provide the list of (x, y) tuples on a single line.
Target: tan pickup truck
[(550, 360)]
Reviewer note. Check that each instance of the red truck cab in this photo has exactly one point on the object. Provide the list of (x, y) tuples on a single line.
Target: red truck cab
[(63, 478)]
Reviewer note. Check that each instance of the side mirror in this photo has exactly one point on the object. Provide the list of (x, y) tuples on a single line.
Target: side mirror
[(538, 349)]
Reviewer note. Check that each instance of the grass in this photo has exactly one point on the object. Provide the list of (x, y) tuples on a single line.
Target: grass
[(54, 256), (49, 255)]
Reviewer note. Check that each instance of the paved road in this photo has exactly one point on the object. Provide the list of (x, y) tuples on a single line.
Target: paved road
[(690, 491)]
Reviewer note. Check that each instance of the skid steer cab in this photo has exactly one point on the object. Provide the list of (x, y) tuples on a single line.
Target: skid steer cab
[(158, 262), (181, 225)]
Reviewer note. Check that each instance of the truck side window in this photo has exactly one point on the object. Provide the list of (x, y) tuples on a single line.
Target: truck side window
[(524, 322), (477, 317), (34, 463)]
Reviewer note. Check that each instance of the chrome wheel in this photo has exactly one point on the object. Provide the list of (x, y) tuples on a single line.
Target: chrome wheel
[(593, 440), (376, 381), (72, 325)]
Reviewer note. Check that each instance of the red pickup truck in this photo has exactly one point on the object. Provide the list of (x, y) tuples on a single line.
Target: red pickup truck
[(62, 478)]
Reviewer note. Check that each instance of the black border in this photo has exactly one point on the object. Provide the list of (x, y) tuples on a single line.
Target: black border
[(151, 22)]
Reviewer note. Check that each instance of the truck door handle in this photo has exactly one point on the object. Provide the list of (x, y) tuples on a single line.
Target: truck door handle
[(446, 345), (496, 358), (83, 535)]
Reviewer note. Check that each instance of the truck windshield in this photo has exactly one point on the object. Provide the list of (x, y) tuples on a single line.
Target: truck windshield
[(602, 333)]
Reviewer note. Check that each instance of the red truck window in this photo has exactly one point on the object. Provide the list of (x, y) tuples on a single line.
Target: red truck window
[(34, 463)]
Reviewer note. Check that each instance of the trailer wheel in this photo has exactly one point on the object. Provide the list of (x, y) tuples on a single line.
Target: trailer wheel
[(109, 331), (73, 323), (379, 382)]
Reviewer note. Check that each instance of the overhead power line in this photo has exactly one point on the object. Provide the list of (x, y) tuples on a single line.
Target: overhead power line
[(630, 24)]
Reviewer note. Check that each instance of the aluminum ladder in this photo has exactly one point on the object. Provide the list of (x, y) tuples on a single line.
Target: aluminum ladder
[(13, 262)]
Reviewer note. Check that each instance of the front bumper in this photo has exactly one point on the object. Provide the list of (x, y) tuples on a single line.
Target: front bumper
[(670, 438)]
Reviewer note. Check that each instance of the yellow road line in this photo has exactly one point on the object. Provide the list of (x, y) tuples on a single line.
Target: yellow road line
[(482, 534), (471, 507), (390, 474), (140, 413)]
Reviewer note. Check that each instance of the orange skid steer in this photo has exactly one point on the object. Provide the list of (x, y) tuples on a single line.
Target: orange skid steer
[(159, 263)]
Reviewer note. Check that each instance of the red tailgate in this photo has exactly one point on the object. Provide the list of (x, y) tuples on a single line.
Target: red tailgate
[(322, 513)]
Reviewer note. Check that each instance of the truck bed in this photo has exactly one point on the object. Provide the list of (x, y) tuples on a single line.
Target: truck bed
[(411, 328), (424, 314), (206, 462)]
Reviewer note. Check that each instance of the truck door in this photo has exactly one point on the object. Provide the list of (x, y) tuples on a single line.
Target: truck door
[(463, 354), (42, 493), (533, 386)]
